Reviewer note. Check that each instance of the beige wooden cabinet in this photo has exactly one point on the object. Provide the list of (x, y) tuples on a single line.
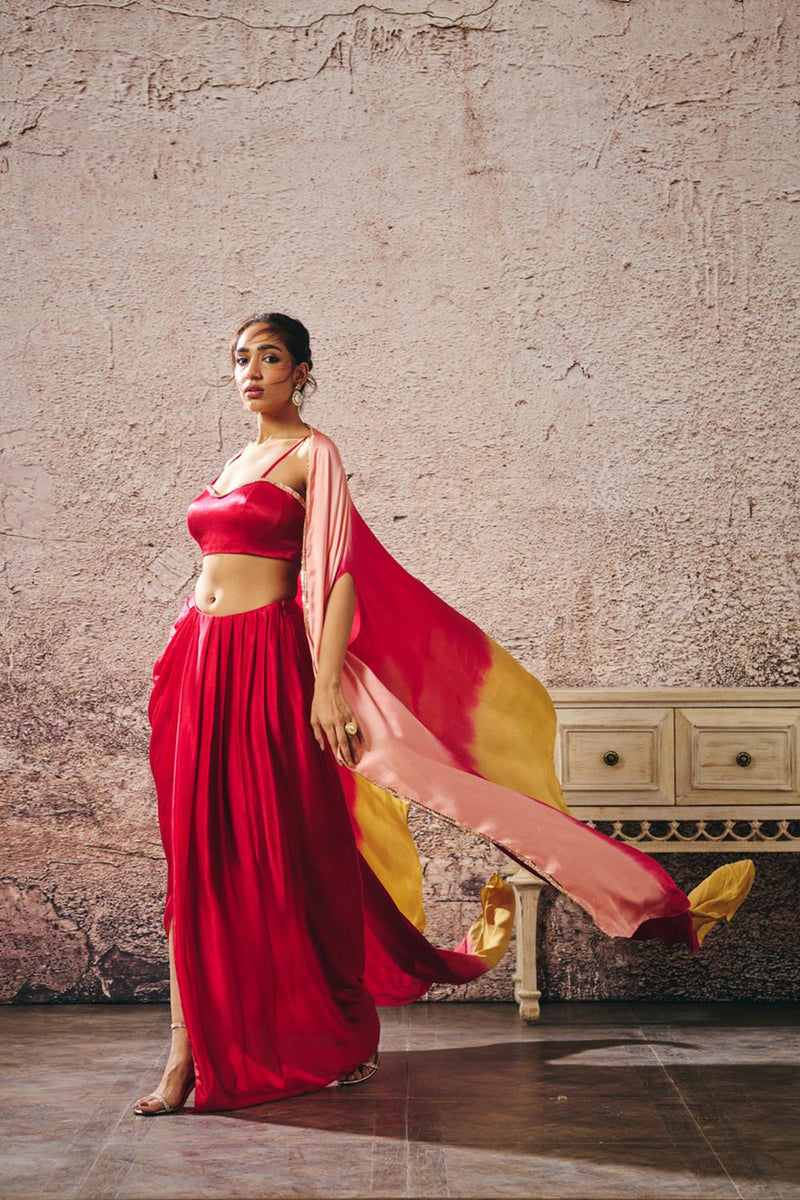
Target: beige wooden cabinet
[(670, 769)]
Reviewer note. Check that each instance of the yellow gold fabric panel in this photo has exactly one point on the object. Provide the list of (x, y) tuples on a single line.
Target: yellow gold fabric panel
[(515, 730), (389, 848), (488, 936), (718, 896)]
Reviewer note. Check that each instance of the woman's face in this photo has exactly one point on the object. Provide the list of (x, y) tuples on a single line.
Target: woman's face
[(263, 370)]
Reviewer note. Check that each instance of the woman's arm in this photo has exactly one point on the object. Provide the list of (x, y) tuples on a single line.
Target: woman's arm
[(329, 709)]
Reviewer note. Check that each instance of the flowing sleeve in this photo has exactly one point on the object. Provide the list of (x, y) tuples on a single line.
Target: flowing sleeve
[(454, 724), (327, 551)]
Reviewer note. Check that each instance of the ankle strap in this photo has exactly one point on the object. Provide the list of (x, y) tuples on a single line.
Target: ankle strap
[(178, 1025)]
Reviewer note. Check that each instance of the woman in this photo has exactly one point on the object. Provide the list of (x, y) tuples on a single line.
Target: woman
[(310, 690)]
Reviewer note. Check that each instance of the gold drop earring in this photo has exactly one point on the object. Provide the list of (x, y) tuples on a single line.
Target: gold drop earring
[(297, 397)]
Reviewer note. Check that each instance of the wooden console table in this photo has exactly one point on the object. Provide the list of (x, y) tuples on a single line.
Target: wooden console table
[(670, 770)]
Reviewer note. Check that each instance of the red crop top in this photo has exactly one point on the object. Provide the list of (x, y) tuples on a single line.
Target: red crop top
[(250, 519)]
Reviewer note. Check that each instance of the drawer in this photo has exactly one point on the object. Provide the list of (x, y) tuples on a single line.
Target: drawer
[(744, 754), (616, 756)]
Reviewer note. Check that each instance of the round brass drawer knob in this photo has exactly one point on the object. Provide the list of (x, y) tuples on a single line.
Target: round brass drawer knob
[(611, 758), (743, 758)]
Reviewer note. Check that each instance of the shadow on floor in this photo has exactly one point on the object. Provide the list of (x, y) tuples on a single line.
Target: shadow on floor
[(594, 1099)]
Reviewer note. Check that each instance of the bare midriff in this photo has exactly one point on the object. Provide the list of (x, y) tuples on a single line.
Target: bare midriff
[(233, 583)]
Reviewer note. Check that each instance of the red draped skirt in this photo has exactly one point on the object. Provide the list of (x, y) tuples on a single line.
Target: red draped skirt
[(284, 939)]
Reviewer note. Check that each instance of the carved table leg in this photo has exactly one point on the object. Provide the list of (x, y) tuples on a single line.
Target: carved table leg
[(527, 889)]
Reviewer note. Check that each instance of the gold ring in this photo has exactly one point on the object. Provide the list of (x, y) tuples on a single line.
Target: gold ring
[(351, 727)]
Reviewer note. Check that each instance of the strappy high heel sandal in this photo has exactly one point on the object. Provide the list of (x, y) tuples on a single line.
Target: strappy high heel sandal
[(372, 1063), (166, 1106)]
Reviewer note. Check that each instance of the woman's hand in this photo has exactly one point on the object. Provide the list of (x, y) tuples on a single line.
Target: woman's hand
[(329, 714)]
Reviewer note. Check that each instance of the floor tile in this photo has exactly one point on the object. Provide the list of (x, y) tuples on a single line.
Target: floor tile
[(592, 1100)]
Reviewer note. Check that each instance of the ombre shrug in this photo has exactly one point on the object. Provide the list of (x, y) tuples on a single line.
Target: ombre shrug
[(454, 724)]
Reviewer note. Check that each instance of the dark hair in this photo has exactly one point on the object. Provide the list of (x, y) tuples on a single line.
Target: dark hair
[(292, 333)]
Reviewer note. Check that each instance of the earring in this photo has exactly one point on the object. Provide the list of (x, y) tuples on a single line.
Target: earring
[(297, 397)]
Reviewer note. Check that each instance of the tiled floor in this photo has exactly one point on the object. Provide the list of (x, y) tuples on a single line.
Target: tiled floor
[(593, 1100)]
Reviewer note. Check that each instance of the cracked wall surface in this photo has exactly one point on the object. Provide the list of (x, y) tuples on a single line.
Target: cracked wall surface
[(548, 256)]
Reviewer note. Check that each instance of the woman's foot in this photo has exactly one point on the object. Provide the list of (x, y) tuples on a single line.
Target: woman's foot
[(363, 1072), (177, 1073)]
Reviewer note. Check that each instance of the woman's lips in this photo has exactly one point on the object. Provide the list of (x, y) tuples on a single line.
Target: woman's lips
[(253, 391)]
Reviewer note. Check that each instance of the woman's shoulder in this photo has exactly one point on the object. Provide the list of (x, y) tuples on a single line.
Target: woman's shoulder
[(324, 444)]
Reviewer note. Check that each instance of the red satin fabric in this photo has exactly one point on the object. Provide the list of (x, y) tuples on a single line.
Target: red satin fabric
[(284, 939), (258, 518)]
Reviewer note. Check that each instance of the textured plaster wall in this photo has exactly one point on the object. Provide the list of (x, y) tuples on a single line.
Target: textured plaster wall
[(548, 255)]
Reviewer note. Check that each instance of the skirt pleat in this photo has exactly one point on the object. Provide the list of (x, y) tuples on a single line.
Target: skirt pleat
[(264, 884)]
